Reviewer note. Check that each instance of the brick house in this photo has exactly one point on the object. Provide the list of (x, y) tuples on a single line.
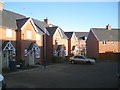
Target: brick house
[(8, 35), (21, 39), (82, 37), (72, 43), (57, 43), (102, 43), (29, 41)]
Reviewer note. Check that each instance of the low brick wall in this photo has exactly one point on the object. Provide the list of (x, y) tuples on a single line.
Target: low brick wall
[(109, 56)]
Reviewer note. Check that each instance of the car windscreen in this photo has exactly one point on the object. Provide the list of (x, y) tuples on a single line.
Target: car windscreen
[(81, 57), (76, 56)]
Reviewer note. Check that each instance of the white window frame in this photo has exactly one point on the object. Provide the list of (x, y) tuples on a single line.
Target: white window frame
[(37, 37), (56, 39), (29, 34), (8, 33), (104, 42), (112, 43), (25, 52)]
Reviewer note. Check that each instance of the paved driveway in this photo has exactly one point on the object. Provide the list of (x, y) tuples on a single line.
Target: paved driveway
[(65, 75)]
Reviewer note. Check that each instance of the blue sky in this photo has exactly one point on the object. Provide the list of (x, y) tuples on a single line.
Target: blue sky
[(70, 16)]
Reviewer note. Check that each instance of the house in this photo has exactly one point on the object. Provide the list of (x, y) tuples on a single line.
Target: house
[(103, 43), (8, 35), (57, 43), (72, 43), (29, 41), (82, 37), (21, 38)]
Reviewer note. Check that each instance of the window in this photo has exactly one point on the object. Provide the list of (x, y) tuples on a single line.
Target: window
[(37, 37), (9, 33), (81, 44), (25, 52), (85, 38), (37, 53), (13, 53), (104, 42), (81, 57), (65, 40), (56, 40), (76, 56), (112, 43), (29, 34)]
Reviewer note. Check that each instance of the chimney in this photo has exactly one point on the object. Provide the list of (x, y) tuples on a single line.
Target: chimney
[(1, 5), (108, 27), (46, 21)]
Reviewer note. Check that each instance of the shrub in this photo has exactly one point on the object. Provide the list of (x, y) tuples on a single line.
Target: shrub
[(58, 59)]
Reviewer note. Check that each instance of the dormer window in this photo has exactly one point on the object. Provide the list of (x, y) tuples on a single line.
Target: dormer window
[(104, 42)]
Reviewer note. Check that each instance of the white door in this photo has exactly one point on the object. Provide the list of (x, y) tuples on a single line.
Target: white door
[(31, 58), (7, 56)]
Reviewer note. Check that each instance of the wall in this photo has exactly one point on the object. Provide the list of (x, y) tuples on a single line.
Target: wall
[(61, 41), (24, 42), (92, 46), (109, 51), (49, 49), (108, 47), (74, 41)]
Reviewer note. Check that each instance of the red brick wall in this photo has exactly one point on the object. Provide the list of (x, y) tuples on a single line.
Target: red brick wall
[(109, 56), (4, 38), (49, 49), (23, 42), (18, 44), (92, 46), (69, 46), (108, 47)]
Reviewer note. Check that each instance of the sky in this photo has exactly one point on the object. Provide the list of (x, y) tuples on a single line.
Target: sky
[(70, 16)]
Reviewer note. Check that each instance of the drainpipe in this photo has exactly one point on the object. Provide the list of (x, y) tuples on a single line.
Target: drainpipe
[(44, 62)]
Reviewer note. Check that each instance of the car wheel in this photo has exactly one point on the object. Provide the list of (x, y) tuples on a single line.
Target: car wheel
[(72, 62), (88, 62)]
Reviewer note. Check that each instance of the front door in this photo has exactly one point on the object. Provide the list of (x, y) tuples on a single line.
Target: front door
[(34, 53), (31, 57), (7, 56)]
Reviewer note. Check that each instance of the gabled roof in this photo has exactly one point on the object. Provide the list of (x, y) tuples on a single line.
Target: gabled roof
[(41, 26), (81, 34), (53, 29), (15, 21), (9, 19), (103, 34), (69, 34), (21, 22)]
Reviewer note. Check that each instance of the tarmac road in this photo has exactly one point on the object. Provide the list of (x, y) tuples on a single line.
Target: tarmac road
[(66, 75)]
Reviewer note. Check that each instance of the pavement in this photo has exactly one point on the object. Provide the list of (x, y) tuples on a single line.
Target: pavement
[(66, 75)]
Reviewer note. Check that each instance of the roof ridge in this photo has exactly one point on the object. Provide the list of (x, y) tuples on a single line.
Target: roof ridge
[(13, 12)]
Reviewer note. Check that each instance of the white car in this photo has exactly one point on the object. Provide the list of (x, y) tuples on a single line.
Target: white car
[(81, 59), (2, 83)]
